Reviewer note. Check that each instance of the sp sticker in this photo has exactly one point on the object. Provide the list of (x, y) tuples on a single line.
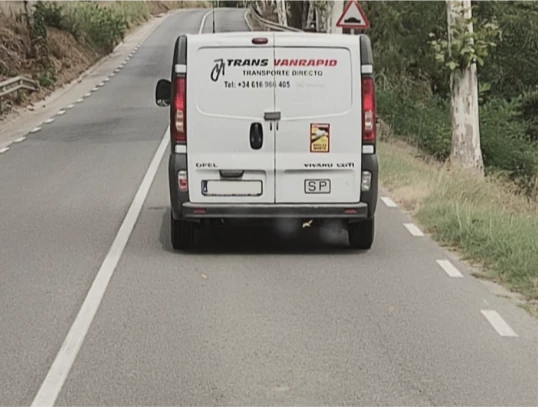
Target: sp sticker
[(320, 137)]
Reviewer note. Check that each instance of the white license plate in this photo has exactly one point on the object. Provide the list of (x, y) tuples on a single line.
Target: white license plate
[(317, 186), (232, 188)]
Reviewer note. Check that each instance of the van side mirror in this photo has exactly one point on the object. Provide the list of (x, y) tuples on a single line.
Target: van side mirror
[(163, 93)]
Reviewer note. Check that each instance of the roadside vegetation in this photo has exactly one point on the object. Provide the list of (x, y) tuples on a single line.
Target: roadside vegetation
[(492, 222), (53, 42), (414, 89), (489, 222)]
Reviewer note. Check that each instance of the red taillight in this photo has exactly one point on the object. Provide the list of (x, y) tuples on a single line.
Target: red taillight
[(178, 125), (368, 110)]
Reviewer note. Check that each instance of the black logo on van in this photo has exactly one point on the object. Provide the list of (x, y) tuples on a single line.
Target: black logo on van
[(220, 65), (218, 69)]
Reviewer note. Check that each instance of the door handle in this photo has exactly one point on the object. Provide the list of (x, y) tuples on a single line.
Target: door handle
[(271, 116), (231, 173), (256, 136)]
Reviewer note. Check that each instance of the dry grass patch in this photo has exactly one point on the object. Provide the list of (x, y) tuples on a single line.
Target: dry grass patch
[(485, 220)]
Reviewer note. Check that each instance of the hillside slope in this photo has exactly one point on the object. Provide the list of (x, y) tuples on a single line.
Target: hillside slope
[(54, 42)]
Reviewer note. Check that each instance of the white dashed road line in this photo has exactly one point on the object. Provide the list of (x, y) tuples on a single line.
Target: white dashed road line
[(87, 95), (71, 106), (60, 113), (498, 323), (389, 202), (20, 139), (3, 150), (415, 231), (35, 129), (449, 268), (48, 121), (80, 100)]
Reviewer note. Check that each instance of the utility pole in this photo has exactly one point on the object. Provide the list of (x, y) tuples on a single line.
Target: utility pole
[(465, 152)]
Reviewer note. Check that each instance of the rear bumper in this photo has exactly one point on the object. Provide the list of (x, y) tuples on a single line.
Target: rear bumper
[(255, 211), (182, 208)]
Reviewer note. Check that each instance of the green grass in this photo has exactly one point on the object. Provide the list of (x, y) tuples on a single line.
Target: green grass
[(485, 220)]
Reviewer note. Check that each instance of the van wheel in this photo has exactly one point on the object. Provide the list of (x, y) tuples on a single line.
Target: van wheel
[(182, 234), (361, 234)]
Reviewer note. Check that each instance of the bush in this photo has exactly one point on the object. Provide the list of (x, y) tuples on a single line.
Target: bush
[(426, 124), (504, 130), (101, 26), (51, 13)]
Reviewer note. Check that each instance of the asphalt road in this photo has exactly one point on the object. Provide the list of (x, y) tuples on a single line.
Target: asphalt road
[(251, 320)]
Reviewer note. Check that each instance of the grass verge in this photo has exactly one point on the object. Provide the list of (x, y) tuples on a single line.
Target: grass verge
[(490, 225)]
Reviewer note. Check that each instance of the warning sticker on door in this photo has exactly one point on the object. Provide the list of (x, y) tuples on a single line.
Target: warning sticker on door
[(320, 134)]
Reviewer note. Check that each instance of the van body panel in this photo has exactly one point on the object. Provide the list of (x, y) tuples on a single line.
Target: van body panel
[(222, 105), (318, 140), (304, 95)]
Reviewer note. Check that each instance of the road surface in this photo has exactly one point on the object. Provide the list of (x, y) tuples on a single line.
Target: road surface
[(251, 320)]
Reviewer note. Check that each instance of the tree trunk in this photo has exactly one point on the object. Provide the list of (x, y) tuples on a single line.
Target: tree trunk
[(335, 13), (282, 12), (308, 14), (465, 152)]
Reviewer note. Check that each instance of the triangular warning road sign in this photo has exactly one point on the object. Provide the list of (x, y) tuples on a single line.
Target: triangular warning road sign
[(353, 17)]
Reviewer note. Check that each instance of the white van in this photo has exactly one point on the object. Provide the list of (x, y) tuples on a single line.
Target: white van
[(268, 125)]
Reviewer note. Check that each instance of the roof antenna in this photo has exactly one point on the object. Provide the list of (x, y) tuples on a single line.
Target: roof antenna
[(214, 15)]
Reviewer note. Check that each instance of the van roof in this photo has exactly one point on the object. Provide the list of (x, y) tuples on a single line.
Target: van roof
[(342, 39), (304, 39)]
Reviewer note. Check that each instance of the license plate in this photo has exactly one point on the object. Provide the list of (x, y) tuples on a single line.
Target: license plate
[(232, 188), (317, 186)]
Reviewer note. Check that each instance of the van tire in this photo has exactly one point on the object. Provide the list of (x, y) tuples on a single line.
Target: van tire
[(361, 234), (182, 234)]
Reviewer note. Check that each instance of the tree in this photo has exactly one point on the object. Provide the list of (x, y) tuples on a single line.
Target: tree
[(460, 54), (465, 152)]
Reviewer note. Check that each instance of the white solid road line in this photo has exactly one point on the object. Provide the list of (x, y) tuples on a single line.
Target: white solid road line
[(498, 323), (389, 202), (56, 376), (449, 268), (413, 229)]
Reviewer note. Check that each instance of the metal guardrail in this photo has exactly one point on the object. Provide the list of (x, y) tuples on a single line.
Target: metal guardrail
[(270, 25), (16, 84)]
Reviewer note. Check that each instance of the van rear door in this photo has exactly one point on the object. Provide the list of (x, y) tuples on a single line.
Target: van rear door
[(230, 148), (318, 139)]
